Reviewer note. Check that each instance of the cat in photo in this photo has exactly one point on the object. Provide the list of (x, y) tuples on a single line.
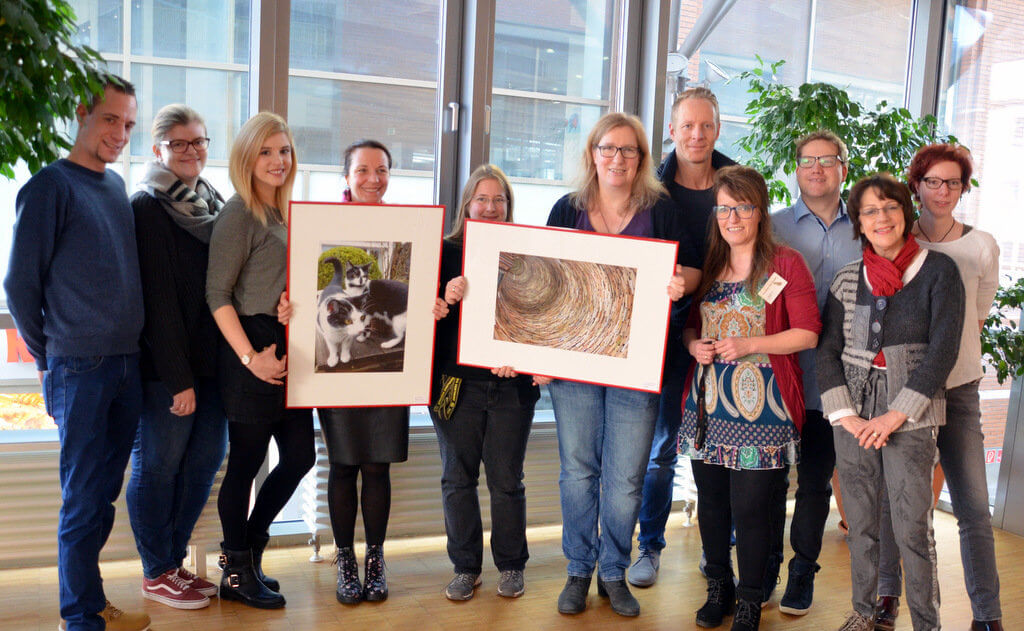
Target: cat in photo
[(338, 319), (385, 300)]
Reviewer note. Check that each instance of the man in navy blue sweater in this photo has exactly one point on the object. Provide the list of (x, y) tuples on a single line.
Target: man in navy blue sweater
[(73, 288)]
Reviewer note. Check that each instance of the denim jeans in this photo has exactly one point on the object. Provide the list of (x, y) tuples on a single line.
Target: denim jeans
[(604, 436), (661, 467), (491, 424), (174, 460), (813, 493), (962, 455), (95, 402)]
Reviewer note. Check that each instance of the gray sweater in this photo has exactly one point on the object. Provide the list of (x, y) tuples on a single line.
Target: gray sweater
[(917, 329), (248, 261)]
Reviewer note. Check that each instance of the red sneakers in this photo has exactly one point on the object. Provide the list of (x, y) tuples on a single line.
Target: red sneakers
[(201, 585), (172, 590)]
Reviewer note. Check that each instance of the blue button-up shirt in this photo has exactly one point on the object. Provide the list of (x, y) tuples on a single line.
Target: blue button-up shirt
[(825, 249)]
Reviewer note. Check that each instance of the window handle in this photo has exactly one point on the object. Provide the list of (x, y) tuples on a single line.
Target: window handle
[(453, 108)]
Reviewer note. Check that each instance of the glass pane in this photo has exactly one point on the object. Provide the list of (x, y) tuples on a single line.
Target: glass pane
[(981, 98), (223, 108), (870, 61), (198, 30), (326, 116), (387, 38), (554, 47), (99, 24)]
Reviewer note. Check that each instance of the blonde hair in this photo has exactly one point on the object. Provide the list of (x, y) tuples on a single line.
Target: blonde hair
[(646, 188), (699, 92), (828, 136), (479, 174), (244, 152), (171, 116)]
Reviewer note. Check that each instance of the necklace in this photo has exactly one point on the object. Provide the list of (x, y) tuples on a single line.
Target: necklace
[(618, 227), (929, 239)]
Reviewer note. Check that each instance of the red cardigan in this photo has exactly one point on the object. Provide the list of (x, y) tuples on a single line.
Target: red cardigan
[(796, 307)]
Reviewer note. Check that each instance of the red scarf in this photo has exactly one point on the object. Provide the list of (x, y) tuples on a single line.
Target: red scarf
[(886, 277)]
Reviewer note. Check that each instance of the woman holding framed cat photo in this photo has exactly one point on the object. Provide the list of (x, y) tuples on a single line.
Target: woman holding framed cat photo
[(364, 441), (244, 284)]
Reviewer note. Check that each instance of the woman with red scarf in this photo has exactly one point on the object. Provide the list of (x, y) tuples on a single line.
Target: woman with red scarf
[(892, 327)]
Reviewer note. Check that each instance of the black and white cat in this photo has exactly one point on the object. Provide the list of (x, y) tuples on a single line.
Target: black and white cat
[(339, 319), (386, 300)]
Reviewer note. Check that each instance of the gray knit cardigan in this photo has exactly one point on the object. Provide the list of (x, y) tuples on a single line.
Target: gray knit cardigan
[(917, 329)]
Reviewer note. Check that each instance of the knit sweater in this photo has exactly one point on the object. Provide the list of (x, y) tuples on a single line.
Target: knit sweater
[(917, 329), (73, 279)]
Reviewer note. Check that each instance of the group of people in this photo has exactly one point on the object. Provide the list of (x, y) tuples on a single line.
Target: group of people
[(824, 336)]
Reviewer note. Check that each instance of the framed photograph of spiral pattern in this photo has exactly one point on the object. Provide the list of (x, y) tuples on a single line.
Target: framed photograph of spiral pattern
[(567, 304)]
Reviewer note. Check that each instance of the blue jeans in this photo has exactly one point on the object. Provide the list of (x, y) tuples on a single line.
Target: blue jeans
[(603, 439), (174, 460), (962, 455), (95, 402), (661, 468)]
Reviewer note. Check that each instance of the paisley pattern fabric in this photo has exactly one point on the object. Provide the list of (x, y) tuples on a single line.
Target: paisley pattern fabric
[(748, 426)]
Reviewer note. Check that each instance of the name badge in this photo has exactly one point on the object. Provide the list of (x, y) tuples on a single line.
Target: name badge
[(773, 288)]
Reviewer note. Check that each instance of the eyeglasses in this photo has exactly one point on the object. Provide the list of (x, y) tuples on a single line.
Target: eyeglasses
[(181, 146), (806, 162), (499, 201), (873, 211), (609, 151), (953, 184), (743, 211)]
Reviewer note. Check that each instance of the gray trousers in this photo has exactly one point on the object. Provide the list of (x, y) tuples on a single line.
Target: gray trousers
[(904, 467)]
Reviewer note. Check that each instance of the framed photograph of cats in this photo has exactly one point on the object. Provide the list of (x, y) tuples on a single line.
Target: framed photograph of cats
[(362, 280), (567, 304)]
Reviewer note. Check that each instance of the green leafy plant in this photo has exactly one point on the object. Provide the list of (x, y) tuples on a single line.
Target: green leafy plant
[(1002, 341), (44, 75), (881, 139), (344, 253)]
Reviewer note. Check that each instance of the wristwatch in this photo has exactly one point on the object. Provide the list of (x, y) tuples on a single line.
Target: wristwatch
[(247, 358)]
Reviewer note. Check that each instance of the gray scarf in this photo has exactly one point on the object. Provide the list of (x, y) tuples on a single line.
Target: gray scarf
[(192, 210)]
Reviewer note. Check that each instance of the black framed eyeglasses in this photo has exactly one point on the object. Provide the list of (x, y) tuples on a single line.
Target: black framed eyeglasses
[(806, 162), (181, 146), (743, 211), (609, 151), (934, 183)]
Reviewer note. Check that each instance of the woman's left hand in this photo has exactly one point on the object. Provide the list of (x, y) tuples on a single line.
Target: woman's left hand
[(677, 286), (505, 372), (440, 309), (875, 433), (284, 309), (732, 348), (540, 380)]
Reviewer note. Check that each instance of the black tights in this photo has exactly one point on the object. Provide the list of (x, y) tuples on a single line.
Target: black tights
[(375, 498), (742, 497), (249, 443)]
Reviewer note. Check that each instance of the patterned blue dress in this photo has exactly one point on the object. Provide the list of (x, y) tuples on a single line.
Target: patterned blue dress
[(748, 425)]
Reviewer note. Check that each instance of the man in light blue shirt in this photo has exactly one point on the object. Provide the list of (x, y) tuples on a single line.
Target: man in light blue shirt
[(818, 227)]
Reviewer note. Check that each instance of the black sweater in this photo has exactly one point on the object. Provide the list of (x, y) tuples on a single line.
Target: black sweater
[(179, 337)]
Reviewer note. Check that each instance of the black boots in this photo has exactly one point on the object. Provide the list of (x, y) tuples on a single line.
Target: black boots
[(349, 591), (617, 592), (376, 584), (258, 544), (721, 597), (748, 609), (573, 598), (239, 582)]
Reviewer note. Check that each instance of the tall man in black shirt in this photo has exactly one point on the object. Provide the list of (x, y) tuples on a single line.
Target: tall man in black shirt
[(688, 173)]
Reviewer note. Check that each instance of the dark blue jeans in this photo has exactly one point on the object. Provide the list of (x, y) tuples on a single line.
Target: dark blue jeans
[(174, 461), (661, 468), (491, 424), (95, 402)]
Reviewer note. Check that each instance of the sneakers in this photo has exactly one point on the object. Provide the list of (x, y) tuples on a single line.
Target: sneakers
[(799, 588), (172, 590), (771, 576), (644, 571), (857, 622), (198, 583), (886, 610), (461, 586), (511, 584), (117, 620), (573, 598)]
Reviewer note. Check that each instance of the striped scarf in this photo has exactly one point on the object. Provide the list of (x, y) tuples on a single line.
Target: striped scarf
[(192, 210)]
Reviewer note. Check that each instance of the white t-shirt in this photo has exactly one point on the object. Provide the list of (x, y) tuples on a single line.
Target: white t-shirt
[(977, 256)]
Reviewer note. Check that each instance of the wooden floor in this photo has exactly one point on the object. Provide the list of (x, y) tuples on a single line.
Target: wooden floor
[(418, 569)]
